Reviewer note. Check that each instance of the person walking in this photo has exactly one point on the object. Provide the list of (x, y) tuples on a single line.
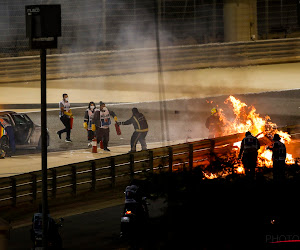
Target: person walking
[(214, 124), (101, 122), (279, 155), (87, 124), (10, 133), (248, 153), (65, 114), (141, 129)]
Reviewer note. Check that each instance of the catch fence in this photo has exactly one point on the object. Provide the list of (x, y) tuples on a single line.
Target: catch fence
[(81, 178), (118, 24)]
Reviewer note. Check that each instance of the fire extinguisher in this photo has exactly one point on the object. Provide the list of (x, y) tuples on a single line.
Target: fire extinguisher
[(101, 144), (71, 122), (118, 130), (94, 145)]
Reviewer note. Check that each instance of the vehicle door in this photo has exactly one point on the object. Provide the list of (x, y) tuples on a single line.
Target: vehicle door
[(23, 128), (8, 120)]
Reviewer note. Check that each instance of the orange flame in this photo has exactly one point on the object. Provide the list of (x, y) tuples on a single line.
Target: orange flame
[(246, 119)]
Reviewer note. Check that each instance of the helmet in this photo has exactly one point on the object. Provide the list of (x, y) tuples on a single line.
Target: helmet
[(248, 133), (213, 111), (276, 137)]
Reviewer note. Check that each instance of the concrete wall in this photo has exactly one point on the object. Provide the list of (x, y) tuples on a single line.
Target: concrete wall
[(240, 20)]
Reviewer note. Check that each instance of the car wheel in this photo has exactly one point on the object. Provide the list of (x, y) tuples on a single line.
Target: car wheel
[(4, 143)]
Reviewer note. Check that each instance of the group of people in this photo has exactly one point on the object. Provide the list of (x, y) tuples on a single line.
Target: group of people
[(249, 152), (97, 123)]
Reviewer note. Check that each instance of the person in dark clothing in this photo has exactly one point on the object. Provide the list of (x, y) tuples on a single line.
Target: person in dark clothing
[(248, 153), (214, 124), (100, 124), (279, 155), (36, 228), (87, 124), (11, 134), (65, 114), (141, 129)]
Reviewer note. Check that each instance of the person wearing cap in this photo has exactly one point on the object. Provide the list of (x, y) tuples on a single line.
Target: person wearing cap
[(87, 123), (214, 124), (279, 155), (248, 153), (100, 124), (141, 129)]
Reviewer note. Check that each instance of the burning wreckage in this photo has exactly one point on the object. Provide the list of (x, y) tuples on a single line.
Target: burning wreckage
[(240, 119)]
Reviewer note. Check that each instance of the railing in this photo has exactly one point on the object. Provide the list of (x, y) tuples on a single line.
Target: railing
[(106, 173), (103, 63)]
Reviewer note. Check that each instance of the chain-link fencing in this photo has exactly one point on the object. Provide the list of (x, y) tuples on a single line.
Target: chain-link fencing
[(129, 24)]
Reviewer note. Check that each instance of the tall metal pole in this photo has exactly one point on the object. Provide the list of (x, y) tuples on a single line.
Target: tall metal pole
[(162, 102), (267, 18), (44, 147), (214, 14), (104, 23)]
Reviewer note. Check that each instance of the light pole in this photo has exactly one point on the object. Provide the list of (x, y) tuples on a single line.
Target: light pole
[(43, 26)]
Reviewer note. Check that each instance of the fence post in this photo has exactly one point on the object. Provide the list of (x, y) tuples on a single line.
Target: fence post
[(93, 176), (212, 148), (191, 156), (170, 159), (34, 188), (151, 160), (113, 171), (74, 180), (54, 183), (131, 156), (14, 191)]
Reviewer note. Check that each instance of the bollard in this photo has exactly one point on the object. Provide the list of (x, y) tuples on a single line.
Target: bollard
[(4, 234), (94, 145)]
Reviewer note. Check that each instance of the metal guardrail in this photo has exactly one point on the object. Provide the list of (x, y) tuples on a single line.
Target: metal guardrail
[(106, 173), (103, 63)]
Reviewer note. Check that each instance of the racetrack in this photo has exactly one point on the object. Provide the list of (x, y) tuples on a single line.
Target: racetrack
[(143, 87), (187, 92), (186, 118)]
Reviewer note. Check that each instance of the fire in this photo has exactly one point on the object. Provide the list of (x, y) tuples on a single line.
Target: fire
[(247, 119), (264, 158), (240, 170), (210, 175)]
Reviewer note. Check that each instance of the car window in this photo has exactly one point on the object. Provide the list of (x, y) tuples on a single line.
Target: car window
[(27, 118), (6, 118), (21, 119)]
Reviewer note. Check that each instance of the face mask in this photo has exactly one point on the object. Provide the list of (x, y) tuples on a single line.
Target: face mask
[(67, 99), (92, 107)]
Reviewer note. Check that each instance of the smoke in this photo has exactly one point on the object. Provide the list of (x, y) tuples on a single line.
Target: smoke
[(7, 31)]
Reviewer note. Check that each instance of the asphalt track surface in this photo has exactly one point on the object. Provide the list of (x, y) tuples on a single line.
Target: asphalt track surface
[(186, 118), (99, 229)]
